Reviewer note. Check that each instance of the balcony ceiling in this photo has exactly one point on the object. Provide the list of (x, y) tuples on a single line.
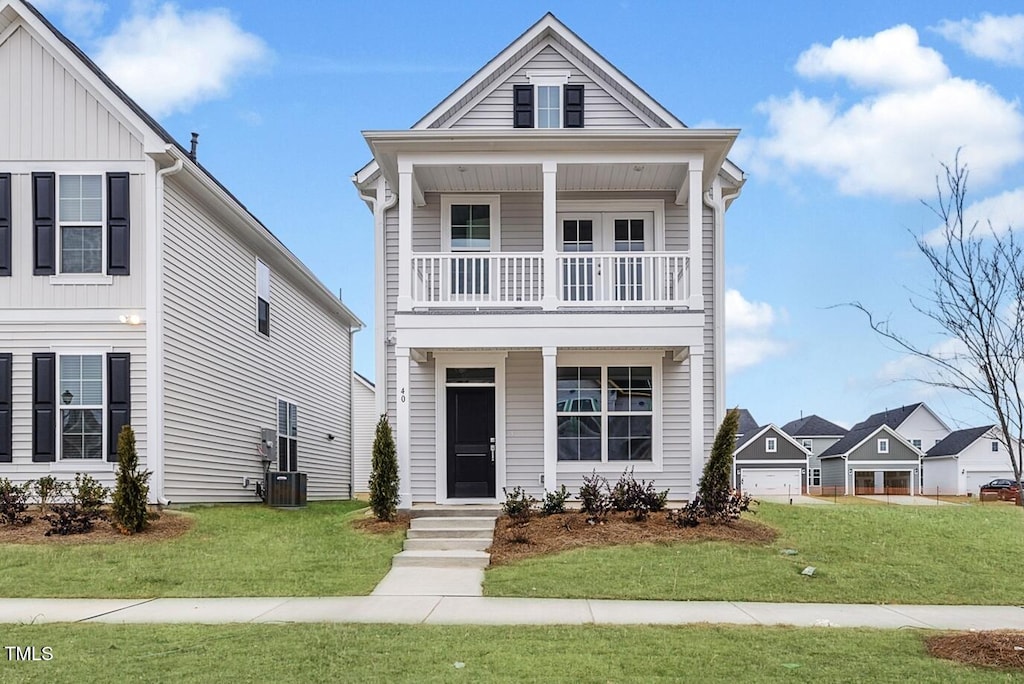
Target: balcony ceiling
[(570, 177)]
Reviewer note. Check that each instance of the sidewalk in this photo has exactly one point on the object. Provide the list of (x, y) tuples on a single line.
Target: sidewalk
[(470, 610)]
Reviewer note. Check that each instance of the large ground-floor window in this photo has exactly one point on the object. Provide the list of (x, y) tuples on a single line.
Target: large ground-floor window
[(605, 413), (81, 412)]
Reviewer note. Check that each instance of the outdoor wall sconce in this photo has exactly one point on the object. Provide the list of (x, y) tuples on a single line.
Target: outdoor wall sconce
[(130, 319), (67, 396)]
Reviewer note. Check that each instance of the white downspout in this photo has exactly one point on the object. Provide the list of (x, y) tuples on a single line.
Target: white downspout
[(381, 204), (155, 338), (718, 203)]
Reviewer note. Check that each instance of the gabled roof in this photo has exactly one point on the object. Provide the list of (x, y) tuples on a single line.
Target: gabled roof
[(547, 29), (174, 152), (860, 434), (747, 425), (813, 426), (366, 383), (757, 432), (957, 441), (896, 417)]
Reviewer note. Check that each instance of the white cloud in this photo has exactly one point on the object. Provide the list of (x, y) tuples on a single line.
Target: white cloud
[(78, 17), (890, 59), (890, 143), (169, 60), (1003, 211), (748, 330), (999, 39)]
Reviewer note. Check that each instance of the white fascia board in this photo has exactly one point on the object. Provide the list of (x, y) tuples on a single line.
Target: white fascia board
[(530, 331), (779, 432), (248, 227)]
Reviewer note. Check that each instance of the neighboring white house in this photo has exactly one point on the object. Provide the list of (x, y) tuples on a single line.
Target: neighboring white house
[(364, 429), (135, 289), (550, 279), (916, 423), (965, 460)]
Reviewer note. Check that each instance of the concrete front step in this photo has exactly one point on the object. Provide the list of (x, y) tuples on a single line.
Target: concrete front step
[(449, 533), (447, 544), (474, 510), (453, 523), (441, 559)]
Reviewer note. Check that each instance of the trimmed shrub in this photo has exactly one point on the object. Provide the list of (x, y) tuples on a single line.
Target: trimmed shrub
[(518, 506), (132, 489), (14, 503), (595, 497), (384, 473), (639, 498), (554, 502), (48, 489), (81, 507)]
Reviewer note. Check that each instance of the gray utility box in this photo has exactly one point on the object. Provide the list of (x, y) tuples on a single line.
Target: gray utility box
[(286, 490)]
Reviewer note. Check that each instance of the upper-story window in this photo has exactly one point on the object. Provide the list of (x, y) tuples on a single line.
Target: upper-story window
[(771, 445), (472, 222), (262, 298), (883, 446), (808, 444), (995, 445), (80, 215), (548, 101)]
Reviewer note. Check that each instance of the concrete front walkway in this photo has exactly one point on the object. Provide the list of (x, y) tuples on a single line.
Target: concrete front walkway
[(906, 500), (465, 610)]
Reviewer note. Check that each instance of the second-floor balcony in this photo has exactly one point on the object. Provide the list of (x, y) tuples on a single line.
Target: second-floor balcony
[(517, 280)]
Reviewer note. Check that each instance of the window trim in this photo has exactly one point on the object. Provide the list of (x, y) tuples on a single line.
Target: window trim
[(771, 445), (62, 277), (259, 295), (609, 210), (277, 430), (59, 455), (547, 79), (916, 443), (808, 444), (492, 200), (605, 359), (883, 445), (815, 477), (994, 446)]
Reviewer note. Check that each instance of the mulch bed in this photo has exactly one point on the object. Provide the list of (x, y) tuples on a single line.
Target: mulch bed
[(552, 534), (988, 649), (370, 524), (168, 525)]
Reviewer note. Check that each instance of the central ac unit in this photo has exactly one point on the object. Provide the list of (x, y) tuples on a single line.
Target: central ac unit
[(285, 489)]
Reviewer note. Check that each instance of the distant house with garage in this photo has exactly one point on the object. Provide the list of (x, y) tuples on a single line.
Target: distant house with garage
[(965, 460), (871, 459), (916, 423), (767, 461), (815, 434), (746, 425)]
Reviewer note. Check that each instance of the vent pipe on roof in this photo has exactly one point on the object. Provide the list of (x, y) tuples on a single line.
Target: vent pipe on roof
[(195, 144)]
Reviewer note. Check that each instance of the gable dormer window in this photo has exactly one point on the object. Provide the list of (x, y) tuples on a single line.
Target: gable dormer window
[(771, 445), (883, 446), (549, 101)]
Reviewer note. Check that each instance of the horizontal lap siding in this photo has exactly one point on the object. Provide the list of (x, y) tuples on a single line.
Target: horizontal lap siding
[(756, 449), (422, 428), (23, 290), (524, 426), (708, 257), (391, 306), (223, 378), (833, 472), (601, 108), (897, 451), (522, 222), (49, 114), (364, 429), (24, 340)]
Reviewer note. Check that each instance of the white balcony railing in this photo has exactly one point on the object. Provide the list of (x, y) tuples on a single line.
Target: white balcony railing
[(582, 279)]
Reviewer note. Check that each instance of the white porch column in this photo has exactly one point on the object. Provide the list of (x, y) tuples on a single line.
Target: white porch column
[(550, 170), (405, 209), (696, 236), (697, 406), (550, 418), (402, 440)]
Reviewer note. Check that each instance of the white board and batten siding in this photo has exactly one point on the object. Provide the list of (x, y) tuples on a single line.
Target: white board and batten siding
[(223, 378), (364, 429), (603, 110)]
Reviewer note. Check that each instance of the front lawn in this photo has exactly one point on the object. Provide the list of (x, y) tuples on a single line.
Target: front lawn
[(392, 653), (862, 554), (239, 550)]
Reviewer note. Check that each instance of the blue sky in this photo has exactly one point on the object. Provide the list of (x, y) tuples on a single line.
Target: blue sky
[(846, 111)]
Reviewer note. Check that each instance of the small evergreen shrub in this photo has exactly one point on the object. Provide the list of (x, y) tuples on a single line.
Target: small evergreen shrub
[(595, 497), (88, 494), (554, 501), (384, 473), (14, 503), (132, 490), (48, 489), (518, 506), (80, 509), (68, 518), (639, 498)]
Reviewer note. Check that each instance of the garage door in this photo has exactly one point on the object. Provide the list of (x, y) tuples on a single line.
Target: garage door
[(782, 482), (979, 477)]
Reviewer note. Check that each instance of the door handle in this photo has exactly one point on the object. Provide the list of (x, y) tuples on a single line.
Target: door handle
[(492, 449)]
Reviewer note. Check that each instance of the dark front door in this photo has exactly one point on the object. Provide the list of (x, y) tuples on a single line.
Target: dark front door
[(471, 442)]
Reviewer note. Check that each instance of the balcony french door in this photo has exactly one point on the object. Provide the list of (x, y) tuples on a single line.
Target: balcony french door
[(589, 277)]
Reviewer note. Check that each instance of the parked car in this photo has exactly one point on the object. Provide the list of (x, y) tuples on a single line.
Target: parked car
[(1005, 490)]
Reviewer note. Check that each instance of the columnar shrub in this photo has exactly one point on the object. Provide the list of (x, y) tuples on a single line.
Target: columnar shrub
[(132, 489), (384, 473)]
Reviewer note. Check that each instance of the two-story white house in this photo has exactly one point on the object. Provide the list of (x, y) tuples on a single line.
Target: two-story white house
[(549, 245), (135, 289)]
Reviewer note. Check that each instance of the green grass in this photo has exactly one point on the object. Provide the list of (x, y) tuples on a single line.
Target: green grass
[(375, 653), (863, 554), (240, 550)]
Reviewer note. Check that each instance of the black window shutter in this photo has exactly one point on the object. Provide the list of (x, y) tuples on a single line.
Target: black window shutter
[(119, 399), (6, 389), (118, 224), (44, 407), (573, 112), (44, 229), (5, 224), (522, 106)]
